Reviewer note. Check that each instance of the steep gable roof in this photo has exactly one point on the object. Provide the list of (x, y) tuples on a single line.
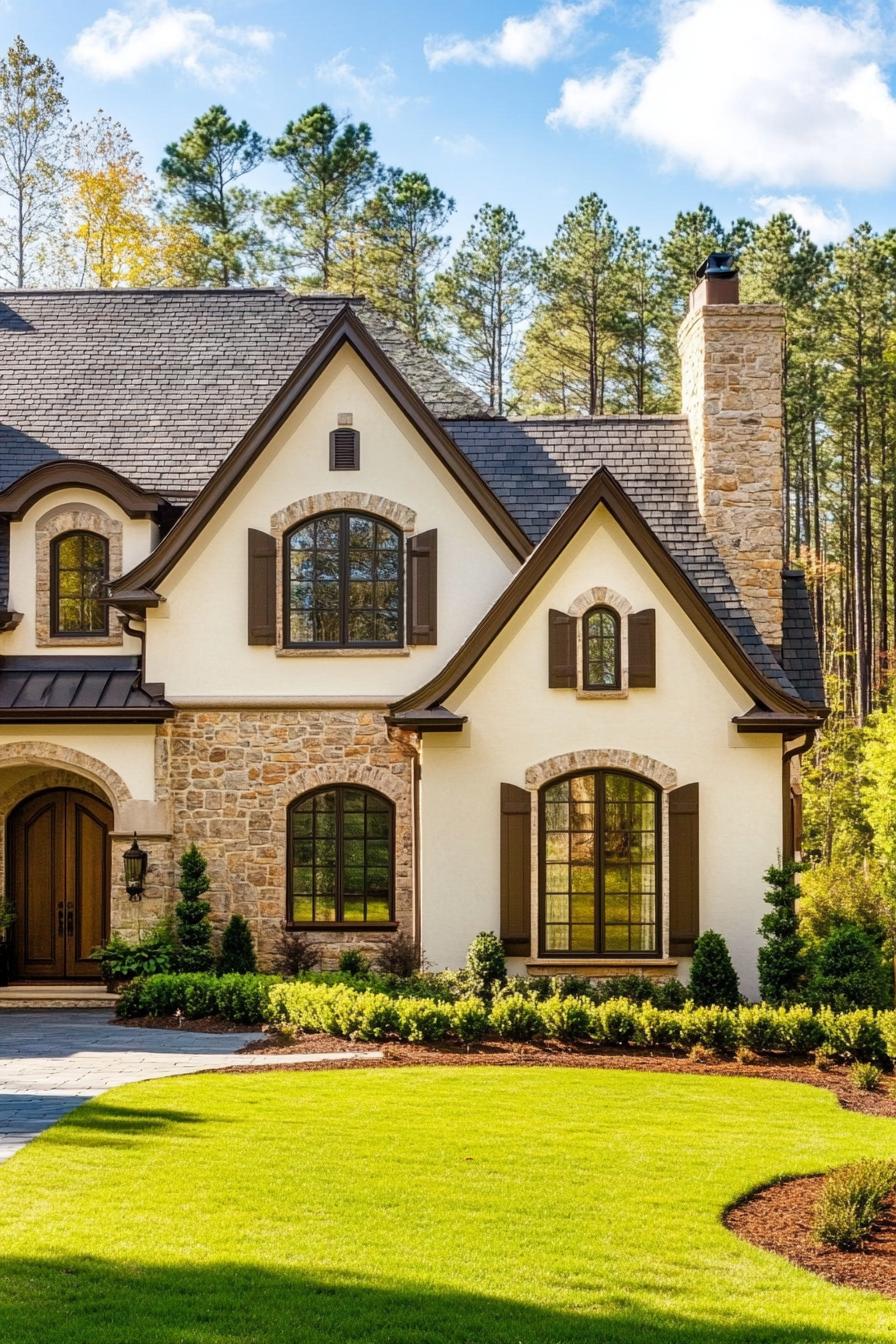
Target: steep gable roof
[(160, 384), (604, 490)]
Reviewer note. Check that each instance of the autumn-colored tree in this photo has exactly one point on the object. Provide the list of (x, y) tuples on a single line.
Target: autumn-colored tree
[(112, 225)]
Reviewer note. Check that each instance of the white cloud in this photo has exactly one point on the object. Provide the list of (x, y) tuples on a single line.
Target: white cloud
[(825, 226), (521, 42), (371, 91), (459, 146), (780, 94), (122, 42)]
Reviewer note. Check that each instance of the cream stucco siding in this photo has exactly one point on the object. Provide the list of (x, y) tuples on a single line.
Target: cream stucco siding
[(122, 758), (516, 722), (205, 607)]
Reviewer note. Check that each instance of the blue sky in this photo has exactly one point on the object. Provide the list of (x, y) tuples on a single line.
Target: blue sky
[(655, 104)]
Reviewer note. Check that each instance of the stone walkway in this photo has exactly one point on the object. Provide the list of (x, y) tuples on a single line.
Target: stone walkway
[(51, 1062)]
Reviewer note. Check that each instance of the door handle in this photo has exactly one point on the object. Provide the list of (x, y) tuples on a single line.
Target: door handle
[(71, 918), (60, 914)]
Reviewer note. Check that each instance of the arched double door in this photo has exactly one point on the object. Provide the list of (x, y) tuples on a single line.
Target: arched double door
[(58, 865)]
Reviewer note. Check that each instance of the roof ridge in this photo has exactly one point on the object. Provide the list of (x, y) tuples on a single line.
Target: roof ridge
[(180, 290)]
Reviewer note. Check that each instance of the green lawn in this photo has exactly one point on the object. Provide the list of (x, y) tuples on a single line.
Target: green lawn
[(447, 1205)]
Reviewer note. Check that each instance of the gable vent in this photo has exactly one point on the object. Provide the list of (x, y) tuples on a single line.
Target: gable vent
[(345, 450)]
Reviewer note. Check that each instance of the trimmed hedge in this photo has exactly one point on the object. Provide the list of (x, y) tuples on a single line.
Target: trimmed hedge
[(239, 998)]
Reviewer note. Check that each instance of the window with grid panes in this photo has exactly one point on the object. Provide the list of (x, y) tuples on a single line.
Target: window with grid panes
[(340, 861), (343, 583), (600, 650), (79, 569)]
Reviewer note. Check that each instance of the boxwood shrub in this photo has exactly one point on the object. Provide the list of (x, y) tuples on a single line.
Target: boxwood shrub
[(238, 998)]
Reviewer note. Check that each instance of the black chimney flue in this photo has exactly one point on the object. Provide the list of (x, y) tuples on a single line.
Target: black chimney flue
[(717, 281)]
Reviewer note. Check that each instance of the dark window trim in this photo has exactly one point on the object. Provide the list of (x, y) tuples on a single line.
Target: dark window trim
[(55, 632), (339, 924), (602, 953), (343, 643), (588, 685)]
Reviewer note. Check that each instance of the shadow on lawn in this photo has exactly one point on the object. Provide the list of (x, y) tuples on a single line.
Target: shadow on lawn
[(115, 1125), (75, 1300)]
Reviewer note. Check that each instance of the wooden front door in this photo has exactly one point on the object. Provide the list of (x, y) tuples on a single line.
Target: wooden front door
[(59, 855)]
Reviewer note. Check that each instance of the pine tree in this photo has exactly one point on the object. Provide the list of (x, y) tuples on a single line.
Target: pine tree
[(485, 295), (237, 949), (781, 957), (193, 928), (199, 173), (333, 169)]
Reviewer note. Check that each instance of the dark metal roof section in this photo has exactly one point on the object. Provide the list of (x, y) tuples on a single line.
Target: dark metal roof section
[(160, 384), (78, 690), (799, 646)]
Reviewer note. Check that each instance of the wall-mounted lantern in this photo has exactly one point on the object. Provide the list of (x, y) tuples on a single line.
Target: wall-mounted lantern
[(135, 860)]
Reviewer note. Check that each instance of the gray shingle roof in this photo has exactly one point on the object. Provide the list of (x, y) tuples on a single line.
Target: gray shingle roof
[(799, 649), (536, 467), (160, 384)]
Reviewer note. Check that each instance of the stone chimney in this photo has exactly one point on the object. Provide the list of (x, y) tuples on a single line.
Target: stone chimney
[(731, 367)]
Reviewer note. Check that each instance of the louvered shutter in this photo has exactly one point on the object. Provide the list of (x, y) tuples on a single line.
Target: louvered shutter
[(345, 450), (684, 869), (262, 588), (422, 588), (516, 869), (561, 650), (642, 648)]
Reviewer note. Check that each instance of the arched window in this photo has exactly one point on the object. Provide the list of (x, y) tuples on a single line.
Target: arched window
[(600, 843), (601, 650), (343, 583), (340, 861), (79, 570)]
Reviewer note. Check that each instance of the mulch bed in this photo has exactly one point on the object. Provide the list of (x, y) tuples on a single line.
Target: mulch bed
[(779, 1218), (215, 1025)]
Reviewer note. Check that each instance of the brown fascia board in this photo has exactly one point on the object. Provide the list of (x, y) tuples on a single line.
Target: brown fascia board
[(604, 489), (151, 714), (766, 721), (345, 328), (68, 473)]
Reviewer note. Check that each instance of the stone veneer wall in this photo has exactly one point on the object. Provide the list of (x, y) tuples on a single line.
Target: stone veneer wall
[(232, 775), (731, 370)]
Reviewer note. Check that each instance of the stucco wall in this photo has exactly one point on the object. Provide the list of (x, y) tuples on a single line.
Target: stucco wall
[(516, 722), (205, 606)]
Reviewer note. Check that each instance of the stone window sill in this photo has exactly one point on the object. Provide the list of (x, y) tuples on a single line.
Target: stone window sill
[(556, 965), (343, 653), (350, 926), (583, 694), (78, 641)]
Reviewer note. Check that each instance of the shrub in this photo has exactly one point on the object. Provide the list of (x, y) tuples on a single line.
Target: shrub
[(851, 1201), (487, 964), (294, 953), (422, 1019), (801, 1030), (613, 1022), (516, 1018), (713, 978), (399, 957), (848, 971), (760, 1027), (850, 889), (636, 988), (238, 998), (192, 925), (781, 962), (670, 994), (237, 949), (710, 1026), (564, 986), (353, 962), (469, 1020), (854, 1035), (152, 954), (566, 1019), (657, 1026), (866, 1077), (886, 1025)]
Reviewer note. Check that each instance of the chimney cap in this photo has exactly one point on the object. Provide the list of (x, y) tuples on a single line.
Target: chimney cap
[(718, 265)]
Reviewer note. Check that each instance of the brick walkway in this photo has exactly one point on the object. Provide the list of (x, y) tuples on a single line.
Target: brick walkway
[(51, 1062)]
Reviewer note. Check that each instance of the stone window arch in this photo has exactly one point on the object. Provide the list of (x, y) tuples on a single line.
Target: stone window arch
[(595, 600), (73, 518)]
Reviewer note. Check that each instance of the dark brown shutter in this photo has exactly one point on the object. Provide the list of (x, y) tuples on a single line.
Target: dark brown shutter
[(561, 649), (262, 588), (422, 583), (516, 887), (642, 648), (684, 869), (345, 450)]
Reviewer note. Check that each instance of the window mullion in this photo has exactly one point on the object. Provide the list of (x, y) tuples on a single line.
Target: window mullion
[(600, 804), (343, 578), (339, 865)]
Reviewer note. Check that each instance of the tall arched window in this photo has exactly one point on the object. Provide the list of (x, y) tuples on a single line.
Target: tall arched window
[(340, 861), (343, 582), (601, 654), (79, 570), (600, 864)]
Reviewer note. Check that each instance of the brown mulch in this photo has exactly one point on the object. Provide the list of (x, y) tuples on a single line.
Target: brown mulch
[(215, 1025), (779, 1218)]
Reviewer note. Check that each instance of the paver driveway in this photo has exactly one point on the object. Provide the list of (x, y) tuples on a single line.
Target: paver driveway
[(52, 1061)]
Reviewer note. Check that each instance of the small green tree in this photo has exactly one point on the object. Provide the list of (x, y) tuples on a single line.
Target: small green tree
[(192, 924), (713, 977), (848, 971), (237, 949), (486, 963), (781, 957)]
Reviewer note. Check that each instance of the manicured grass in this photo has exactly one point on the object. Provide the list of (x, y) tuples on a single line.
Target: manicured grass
[(445, 1206)]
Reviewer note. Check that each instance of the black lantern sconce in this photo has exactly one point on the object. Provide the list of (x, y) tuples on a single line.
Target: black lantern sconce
[(135, 860)]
